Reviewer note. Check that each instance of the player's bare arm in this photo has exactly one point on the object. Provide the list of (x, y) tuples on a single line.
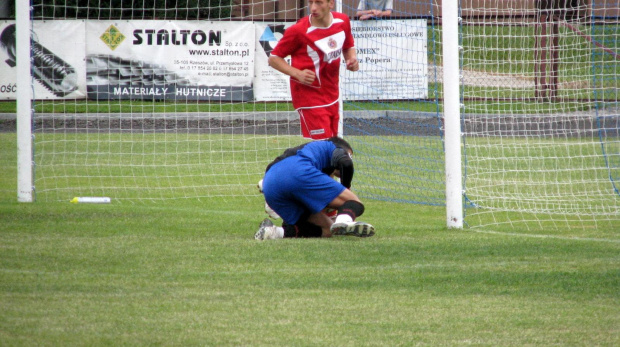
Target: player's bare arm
[(303, 76), (367, 14), (350, 57)]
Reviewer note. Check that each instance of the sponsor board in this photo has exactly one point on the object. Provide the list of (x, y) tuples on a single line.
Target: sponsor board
[(58, 68), (393, 61), (181, 60), (392, 56), (269, 84), (200, 60)]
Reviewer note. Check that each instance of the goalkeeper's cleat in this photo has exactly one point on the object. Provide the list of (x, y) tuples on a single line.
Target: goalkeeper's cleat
[(359, 229), (271, 212), (266, 230)]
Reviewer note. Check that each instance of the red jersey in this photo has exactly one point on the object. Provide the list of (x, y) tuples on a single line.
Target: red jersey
[(319, 50)]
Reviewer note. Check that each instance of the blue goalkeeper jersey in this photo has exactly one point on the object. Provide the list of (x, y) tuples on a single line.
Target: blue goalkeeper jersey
[(295, 185)]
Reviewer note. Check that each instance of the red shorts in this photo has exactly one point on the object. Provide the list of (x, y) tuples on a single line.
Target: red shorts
[(319, 123)]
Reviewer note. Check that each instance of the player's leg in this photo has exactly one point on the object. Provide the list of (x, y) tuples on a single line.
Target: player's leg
[(322, 221), (325, 192), (301, 230), (322, 191), (334, 116), (349, 209), (321, 225), (309, 226), (303, 205), (304, 228)]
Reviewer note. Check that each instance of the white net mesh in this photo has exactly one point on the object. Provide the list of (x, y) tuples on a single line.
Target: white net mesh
[(541, 117), (169, 102)]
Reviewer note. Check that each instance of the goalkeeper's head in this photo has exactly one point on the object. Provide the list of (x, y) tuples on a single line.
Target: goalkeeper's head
[(340, 142)]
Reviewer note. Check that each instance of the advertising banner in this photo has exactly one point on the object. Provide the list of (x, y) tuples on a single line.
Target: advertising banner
[(393, 61), (181, 60), (200, 60), (392, 55), (269, 84), (58, 67)]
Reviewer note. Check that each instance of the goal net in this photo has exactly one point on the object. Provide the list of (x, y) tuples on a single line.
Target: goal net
[(130, 106), (541, 117), (175, 100)]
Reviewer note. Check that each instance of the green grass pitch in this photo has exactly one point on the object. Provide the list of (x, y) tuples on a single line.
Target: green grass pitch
[(188, 272)]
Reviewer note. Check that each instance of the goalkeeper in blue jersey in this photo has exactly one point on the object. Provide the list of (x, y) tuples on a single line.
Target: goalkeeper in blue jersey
[(298, 187)]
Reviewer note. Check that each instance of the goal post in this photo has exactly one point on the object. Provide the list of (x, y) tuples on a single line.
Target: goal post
[(452, 115), (21, 46)]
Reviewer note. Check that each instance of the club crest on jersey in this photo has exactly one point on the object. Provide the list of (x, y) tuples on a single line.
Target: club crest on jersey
[(331, 46), (331, 43)]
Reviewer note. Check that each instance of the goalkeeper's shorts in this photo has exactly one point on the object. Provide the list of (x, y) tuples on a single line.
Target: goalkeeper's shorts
[(294, 186)]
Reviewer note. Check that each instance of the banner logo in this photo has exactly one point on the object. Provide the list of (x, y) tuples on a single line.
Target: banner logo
[(112, 37), (268, 39)]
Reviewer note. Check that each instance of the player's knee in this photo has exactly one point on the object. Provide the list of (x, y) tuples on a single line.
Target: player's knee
[(352, 208)]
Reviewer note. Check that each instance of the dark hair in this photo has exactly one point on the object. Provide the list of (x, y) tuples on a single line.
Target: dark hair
[(340, 142)]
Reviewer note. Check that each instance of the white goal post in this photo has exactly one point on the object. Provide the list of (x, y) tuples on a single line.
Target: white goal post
[(452, 115), (25, 187)]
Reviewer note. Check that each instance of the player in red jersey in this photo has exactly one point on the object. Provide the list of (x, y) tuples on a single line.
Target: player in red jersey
[(315, 44)]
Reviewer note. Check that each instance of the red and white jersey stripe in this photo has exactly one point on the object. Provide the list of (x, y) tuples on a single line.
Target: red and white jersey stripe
[(319, 50)]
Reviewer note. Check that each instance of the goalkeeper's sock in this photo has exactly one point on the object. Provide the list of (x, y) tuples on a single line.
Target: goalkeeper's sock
[(301, 229), (343, 218), (280, 232), (351, 209)]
